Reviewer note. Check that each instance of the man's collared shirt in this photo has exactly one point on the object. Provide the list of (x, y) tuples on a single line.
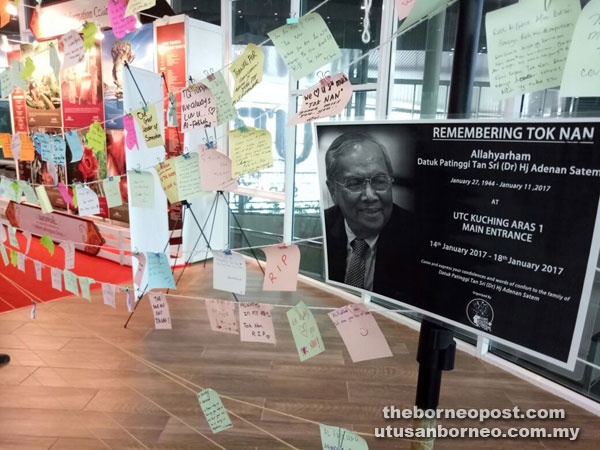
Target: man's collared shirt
[(369, 258)]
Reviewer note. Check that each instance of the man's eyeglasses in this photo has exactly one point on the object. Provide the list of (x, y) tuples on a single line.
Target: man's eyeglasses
[(379, 183)]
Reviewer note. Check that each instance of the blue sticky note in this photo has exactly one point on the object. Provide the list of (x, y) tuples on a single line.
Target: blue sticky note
[(43, 146), (75, 146), (59, 150), (159, 271)]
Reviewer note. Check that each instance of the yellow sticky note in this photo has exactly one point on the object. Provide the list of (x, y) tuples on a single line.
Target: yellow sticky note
[(95, 137), (581, 77), (188, 176), (528, 45), (168, 179), (148, 122), (220, 91), (247, 71), (28, 69), (27, 149), (305, 46), (5, 142), (134, 6), (250, 151), (89, 35), (44, 200)]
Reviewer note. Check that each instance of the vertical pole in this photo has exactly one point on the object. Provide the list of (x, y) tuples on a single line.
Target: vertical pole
[(433, 62)]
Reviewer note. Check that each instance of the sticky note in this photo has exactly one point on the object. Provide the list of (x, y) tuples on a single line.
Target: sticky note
[(38, 270), (360, 332), (148, 123), (305, 332), (528, 45), (59, 149), (8, 189), (13, 257), (283, 263), (16, 187), (84, 283), (43, 145), (222, 316), (43, 198), (69, 250), (15, 146), (2, 233), (256, 323), (247, 71), (305, 46), (159, 271), (56, 275), (215, 171), (130, 136), (198, 108), (71, 282), (421, 9), (336, 438), (64, 193), (121, 25), (141, 189), (16, 67), (54, 61), (139, 273), (89, 35), (73, 49), (581, 77), (87, 201), (47, 242), (4, 255), (27, 150), (229, 272), (21, 262), (12, 236), (324, 100), (6, 83), (27, 235), (6, 143), (214, 411), (108, 293), (223, 100), (160, 310), (168, 179), (74, 145), (172, 111), (28, 69), (112, 192), (129, 301), (250, 151), (188, 176), (403, 8), (135, 6), (95, 137)]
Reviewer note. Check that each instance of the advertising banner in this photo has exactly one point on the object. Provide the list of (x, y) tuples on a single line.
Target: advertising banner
[(488, 226)]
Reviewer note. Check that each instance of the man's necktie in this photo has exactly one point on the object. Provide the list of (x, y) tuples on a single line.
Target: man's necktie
[(355, 273)]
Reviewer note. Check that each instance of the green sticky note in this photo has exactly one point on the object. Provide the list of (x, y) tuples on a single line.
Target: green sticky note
[(422, 9), (13, 257), (112, 192), (9, 190), (528, 44), (27, 189), (47, 242), (188, 176), (12, 236), (220, 91), (44, 200), (89, 35), (581, 77), (214, 411), (305, 46), (16, 187), (4, 255), (141, 189), (336, 438), (85, 282), (95, 137), (71, 282), (28, 69), (159, 271), (305, 331)]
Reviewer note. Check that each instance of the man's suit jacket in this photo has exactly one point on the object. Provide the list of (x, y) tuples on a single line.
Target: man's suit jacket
[(395, 262)]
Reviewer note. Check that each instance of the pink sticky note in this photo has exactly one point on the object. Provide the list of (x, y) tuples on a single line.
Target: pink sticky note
[(121, 25), (325, 99), (403, 8), (131, 138), (256, 323), (198, 108), (360, 332), (215, 171), (64, 192), (283, 263), (222, 317)]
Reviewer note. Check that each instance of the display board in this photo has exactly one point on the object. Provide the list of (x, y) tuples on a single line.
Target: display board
[(488, 226)]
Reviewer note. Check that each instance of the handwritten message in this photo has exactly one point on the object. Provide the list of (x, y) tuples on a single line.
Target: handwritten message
[(229, 272), (306, 45), (38, 270), (27, 189), (223, 101), (71, 282), (188, 176), (305, 332), (247, 70), (56, 276), (159, 271), (581, 77), (27, 150), (324, 99), (198, 108), (528, 45), (283, 263), (130, 136), (250, 151), (141, 189), (168, 179), (85, 283), (95, 137), (87, 201), (112, 191), (160, 310), (134, 6), (148, 122), (69, 250), (256, 323), (215, 171), (336, 438), (214, 411), (222, 316), (360, 332), (73, 51), (121, 25), (59, 150), (21, 262), (108, 292)]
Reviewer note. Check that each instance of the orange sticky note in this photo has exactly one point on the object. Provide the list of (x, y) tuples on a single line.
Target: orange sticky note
[(27, 149), (281, 273), (4, 16), (5, 141)]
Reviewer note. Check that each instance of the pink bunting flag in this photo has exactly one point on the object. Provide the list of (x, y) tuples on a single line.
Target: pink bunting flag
[(131, 138), (64, 192), (121, 25)]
